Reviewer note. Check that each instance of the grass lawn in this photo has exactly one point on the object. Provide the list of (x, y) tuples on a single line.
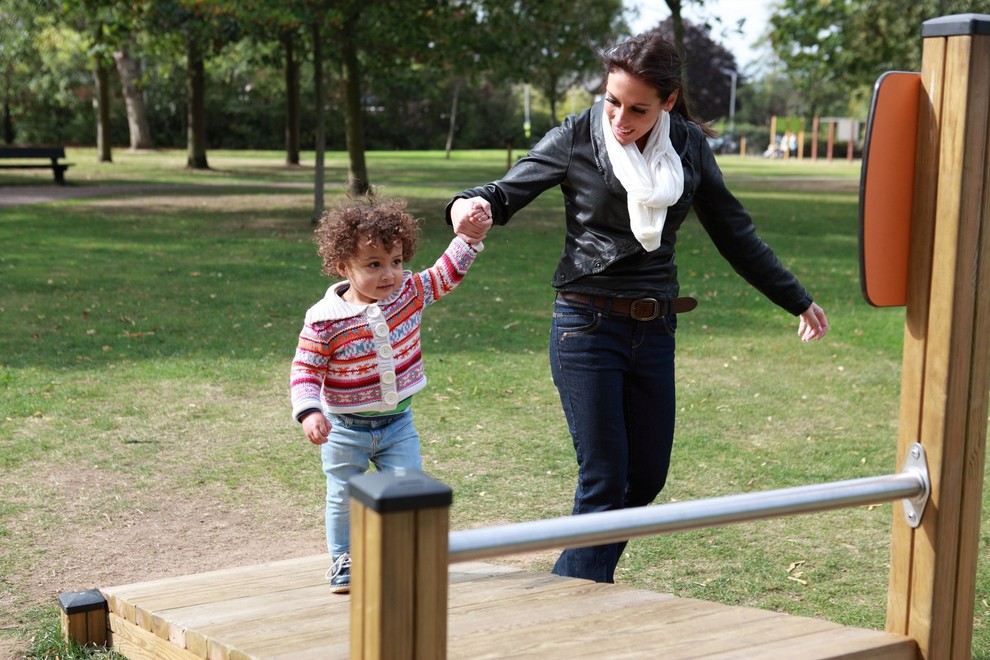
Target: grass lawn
[(144, 363)]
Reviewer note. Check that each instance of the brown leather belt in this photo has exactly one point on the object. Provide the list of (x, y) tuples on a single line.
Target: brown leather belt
[(638, 309)]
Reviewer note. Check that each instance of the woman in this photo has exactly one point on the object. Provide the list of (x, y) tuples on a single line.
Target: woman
[(630, 169)]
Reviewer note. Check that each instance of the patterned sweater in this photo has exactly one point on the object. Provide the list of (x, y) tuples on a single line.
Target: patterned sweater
[(367, 358)]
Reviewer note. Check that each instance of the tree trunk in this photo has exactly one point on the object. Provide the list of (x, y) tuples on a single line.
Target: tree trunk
[(321, 121), (292, 100), (453, 116), (102, 102), (129, 71), (196, 91), (357, 175), (8, 124), (677, 19)]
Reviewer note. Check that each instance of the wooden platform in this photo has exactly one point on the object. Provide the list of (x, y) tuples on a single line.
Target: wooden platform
[(285, 610)]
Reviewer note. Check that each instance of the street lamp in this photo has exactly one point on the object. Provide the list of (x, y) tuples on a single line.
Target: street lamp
[(732, 100)]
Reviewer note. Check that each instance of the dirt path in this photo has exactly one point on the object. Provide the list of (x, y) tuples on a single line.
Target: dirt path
[(80, 538), (21, 195), (75, 535)]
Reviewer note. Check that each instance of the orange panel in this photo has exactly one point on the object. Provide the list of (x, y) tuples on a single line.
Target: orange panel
[(886, 191)]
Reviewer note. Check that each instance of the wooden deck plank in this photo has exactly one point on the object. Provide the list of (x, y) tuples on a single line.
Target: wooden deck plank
[(285, 610), (829, 643), (286, 628), (195, 626), (585, 631), (131, 641), (138, 602), (326, 636), (739, 638), (511, 602)]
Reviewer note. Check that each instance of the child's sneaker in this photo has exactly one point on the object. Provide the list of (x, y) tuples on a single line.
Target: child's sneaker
[(340, 574)]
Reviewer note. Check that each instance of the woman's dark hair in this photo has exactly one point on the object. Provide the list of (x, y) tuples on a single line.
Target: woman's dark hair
[(655, 60)]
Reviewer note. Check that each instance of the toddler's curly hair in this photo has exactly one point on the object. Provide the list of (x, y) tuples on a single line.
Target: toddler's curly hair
[(383, 222)]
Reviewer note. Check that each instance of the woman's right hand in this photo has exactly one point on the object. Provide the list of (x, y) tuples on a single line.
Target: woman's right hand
[(471, 218)]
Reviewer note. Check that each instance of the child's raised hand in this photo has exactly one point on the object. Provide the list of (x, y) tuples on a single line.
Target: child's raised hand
[(316, 427), (476, 222), (471, 218)]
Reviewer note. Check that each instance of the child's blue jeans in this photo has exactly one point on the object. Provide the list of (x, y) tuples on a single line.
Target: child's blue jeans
[(389, 442)]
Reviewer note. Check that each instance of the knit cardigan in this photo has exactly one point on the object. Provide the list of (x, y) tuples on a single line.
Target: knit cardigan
[(367, 358)]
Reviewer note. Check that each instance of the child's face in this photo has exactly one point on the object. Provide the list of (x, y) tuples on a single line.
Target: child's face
[(373, 272)]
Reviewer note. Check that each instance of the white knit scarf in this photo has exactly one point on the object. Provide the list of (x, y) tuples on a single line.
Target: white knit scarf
[(653, 178)]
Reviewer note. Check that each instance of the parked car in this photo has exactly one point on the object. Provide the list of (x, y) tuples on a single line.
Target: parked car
[(723, 144)]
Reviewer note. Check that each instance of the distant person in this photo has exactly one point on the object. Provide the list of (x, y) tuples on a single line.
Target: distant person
[(357, 362), (630, 168), (776, 148)]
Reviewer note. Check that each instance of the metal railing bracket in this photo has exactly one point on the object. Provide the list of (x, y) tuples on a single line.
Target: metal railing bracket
[(915, 463)]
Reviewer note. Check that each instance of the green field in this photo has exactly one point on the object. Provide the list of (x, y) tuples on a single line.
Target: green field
[(146, 345)]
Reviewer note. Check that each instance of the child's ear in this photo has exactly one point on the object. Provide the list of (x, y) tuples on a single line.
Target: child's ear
[(341, 268)]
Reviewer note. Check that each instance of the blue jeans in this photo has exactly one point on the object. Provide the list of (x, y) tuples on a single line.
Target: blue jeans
[(615, 377), (390, 442)]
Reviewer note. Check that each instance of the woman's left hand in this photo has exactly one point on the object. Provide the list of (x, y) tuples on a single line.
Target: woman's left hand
[(813, 323)]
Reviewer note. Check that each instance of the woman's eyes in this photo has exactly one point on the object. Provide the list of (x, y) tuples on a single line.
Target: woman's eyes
[(615, 102)]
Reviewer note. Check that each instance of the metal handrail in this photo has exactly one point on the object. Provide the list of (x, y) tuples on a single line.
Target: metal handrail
[(911, 485)]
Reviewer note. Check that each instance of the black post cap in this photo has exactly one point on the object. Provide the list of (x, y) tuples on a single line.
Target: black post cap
[(76, 602), (405, 490), (956, 25)]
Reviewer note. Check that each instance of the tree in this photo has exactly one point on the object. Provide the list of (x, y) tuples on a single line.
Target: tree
[(102, 76), (706, 63), (111, 26), (677, 22), (835, 51), (321, 132), (454, 57), (96, 21), (372, 39), (554, 43), (17, 29), (288, 38), (285, 22), (202, 29), (129, 72), (48, 76), (358, 181)]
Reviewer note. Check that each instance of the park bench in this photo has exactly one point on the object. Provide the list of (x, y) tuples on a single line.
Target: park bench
[(52, 154)]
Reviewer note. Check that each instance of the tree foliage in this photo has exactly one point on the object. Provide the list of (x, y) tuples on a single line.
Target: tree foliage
[(553, 44), (707, 65), (412, 59), (833, 51)]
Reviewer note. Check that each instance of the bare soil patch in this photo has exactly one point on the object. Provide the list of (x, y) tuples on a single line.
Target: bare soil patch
[(82, 538)]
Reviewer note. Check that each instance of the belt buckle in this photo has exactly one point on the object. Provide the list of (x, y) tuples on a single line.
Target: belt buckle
[(654, 306)]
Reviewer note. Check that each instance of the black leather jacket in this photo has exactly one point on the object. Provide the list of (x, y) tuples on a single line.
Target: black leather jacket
[(601, 255)]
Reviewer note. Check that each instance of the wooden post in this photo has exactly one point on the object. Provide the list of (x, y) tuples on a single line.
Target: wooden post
[(84, 617), (399, 528), (814, 140), (946, 340), (773, 130), (852, 140), (831, 140)]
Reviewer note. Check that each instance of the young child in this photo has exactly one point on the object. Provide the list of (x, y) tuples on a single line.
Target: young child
[(358, 363)]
